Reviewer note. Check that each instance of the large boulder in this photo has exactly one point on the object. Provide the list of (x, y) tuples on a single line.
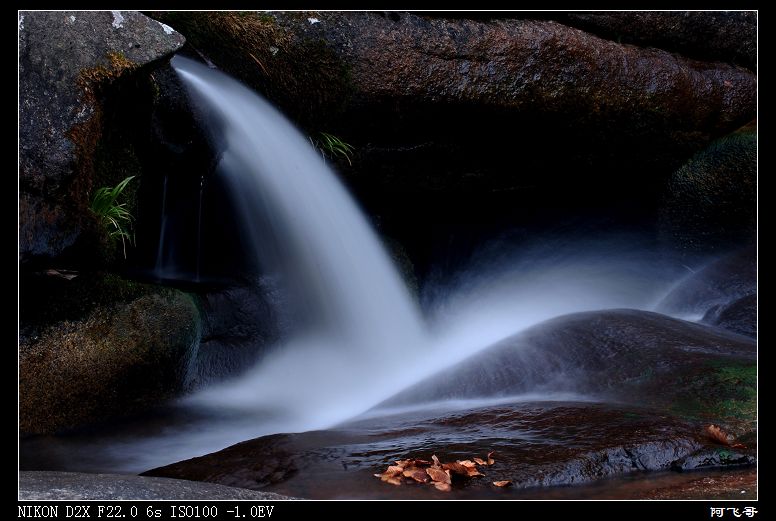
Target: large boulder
[(67, 61), (399, 73), (710, 203), (536, 444), (727, 36), (119, 359), (631, 356), (487, 122)]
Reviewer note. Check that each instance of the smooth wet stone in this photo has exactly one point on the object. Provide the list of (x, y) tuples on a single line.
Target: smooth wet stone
[(537, 445), (46, 486)]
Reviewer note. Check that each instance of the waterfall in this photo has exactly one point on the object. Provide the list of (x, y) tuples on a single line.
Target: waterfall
[(303, 224)]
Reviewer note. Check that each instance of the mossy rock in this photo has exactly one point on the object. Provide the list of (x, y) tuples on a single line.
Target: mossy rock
[(710, 202), (118, 360)]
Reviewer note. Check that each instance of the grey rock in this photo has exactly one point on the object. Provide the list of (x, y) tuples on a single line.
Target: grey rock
[(65, 58), (46, 486)]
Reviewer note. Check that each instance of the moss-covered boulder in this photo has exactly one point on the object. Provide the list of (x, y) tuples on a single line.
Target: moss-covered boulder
[(117, 360), (711, 201), (66, 61)]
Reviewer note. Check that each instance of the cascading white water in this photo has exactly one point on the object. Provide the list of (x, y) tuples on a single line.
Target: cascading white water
[(365, 339), (369, 339), (364, 318)]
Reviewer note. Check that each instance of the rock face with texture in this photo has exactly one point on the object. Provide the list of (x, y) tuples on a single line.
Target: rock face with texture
[(729, 36), (497, 117), (66, 61), (514, 64), (118, 360)]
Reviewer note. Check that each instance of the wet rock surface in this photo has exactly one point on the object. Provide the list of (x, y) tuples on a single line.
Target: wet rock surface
[(729, 283), (655, 384), (46, 486), (536, 444), (633, 356)]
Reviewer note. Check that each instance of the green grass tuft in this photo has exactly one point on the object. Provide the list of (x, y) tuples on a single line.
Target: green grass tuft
[(112, 214), (332, 146)]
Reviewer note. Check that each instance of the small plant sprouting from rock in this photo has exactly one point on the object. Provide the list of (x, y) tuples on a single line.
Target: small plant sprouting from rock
[(113, 214), (332, 146)]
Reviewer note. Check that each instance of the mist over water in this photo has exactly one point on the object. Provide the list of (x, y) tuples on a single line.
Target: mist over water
[(364, 338)]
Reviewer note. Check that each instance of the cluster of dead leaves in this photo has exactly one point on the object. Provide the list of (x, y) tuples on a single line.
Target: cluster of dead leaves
[(719, 435), (435, 472)]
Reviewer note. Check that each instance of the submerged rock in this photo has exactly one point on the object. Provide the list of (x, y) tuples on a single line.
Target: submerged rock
[(117, 360), (66, 59)]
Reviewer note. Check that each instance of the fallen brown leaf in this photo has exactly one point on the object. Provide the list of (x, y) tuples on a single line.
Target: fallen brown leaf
[(738, 446), (480, 461), (504, 483), (491, 461), (417, 474), (456, 468), (444, 487), (393, 481), (467, 463), (439, 475), (436, 461), (717, 434)]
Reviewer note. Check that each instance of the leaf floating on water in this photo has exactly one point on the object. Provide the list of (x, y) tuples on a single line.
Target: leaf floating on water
[(456, 468), (392, 472), (417, 474), (504, 483), (491, 461), (434, 472), (720, 436), (439, 475), (413, 463)]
